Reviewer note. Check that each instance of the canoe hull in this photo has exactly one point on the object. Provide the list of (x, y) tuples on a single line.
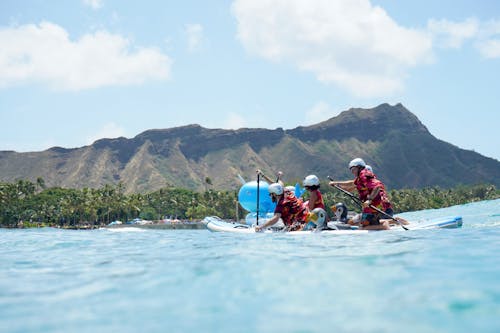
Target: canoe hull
[(217, 225)]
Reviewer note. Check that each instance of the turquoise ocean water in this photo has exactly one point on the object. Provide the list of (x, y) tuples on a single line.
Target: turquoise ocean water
[(134, 280)]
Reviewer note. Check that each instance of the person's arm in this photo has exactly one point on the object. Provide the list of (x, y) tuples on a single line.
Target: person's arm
[(266, 178), (347, 185), (269, 223), (373, 194), (269, 180), (312, 200)]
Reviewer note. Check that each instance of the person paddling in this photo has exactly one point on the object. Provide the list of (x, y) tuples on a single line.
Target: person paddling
[(289, 208), (312, 185), (371, 191)]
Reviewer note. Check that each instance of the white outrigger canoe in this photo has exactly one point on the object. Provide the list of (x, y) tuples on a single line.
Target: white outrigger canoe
[(216, 224)]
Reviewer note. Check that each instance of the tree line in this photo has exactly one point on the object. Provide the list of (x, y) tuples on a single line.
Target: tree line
[(36, 205)]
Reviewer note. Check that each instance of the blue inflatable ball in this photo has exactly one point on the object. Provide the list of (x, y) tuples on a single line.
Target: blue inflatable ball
[(247, 197)]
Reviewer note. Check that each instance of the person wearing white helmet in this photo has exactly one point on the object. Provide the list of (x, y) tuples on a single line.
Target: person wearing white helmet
[(312, 185), (371, 192), (289, 208), (356, 166), (315, 203), (359, 162), (289, 191)]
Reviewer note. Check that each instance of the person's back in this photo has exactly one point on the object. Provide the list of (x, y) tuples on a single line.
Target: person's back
[(381, 200), (372, 193), (366, 182), (369, 189), (316, 200), (292, 209), (289, 208), (363, 179)]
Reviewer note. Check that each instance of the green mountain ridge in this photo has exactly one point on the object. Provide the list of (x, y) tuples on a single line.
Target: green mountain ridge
[(399, 147)]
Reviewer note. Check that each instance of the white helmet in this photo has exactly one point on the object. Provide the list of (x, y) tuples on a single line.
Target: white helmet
[(275, 188), (369, 168), (289, 191), (311, 180), (357, 162)]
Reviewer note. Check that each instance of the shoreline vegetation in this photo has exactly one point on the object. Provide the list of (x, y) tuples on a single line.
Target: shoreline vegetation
[(25, 204)]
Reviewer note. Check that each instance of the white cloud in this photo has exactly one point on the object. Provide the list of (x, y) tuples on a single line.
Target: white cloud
[(485, 35), (44, 53), (95, 4), (234, 121), (491, 28), (489, 39), (109, 131), (489, 48), (450, 34), (321, 111), (194, 34), (350, 43)]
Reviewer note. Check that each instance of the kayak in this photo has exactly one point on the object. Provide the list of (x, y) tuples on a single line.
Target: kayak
[(214, 223)]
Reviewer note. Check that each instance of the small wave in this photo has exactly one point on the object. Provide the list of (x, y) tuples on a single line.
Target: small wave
[(483, 225), (80, 291)]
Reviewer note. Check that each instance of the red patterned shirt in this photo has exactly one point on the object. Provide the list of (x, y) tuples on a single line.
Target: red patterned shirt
[(365, 183), (291, 209)]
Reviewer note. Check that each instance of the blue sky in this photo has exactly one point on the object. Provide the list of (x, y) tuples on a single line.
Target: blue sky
[(72, 72)]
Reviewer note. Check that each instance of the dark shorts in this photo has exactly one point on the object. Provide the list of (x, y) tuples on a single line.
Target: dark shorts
[(374, 219)]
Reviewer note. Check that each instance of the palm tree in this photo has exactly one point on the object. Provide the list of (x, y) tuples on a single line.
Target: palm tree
[(40, 182)]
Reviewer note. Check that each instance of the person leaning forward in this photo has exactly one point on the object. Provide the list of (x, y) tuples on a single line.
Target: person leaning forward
[(371, 192), (290, 209)]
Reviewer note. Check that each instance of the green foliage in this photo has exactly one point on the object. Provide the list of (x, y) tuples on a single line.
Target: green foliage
[(406, 200), (436, 197), (20, 201), (148, 213)]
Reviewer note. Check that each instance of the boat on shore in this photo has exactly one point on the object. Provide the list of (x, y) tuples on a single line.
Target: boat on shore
[(183, 225)]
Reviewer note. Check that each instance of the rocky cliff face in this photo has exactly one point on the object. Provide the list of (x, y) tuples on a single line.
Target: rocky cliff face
[(363, 125), (390, 138)]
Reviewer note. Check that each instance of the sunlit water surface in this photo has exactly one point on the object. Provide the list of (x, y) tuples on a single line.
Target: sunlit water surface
[(134, 280)]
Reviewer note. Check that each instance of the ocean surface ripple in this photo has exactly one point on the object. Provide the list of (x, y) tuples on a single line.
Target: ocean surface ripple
[(135, 280)]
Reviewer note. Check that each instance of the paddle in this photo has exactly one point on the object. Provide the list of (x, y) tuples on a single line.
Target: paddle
[(258, 199), (258, 190), (356, 200)]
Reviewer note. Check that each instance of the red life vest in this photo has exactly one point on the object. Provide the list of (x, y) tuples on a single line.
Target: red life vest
[(365, 183), (319, 200), (291, 209), (361, 183)]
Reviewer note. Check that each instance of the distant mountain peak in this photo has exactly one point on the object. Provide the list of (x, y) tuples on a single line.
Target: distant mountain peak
[(389, 137), (364, 124)]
